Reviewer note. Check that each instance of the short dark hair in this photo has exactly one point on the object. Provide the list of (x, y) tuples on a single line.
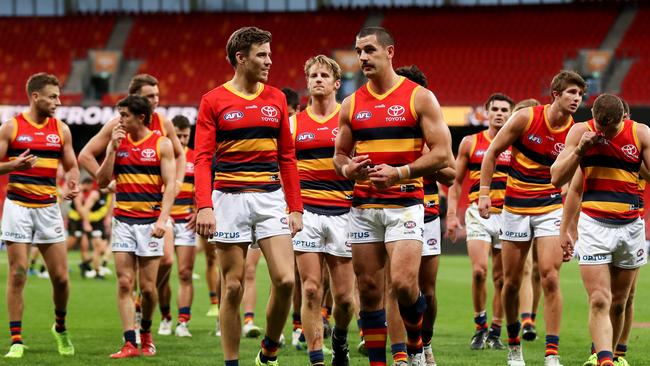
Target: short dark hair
[(499, 96), (383, 36), (293, 100), (414, 74), (242, 39), (141, 80), (607, 109), (137, 105), (38, 81), (626, 107), (181, 122), (564, 79), (87, 180)]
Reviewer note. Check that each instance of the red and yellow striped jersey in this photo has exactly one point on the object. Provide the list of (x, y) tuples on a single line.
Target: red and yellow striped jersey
[(642, 184), (35, 187), (253, 143), (386, 128), (156, 124), (431, 199), (611, 177), (184, 202), (529, 190), (323, 191), (138, 190), (480, 143)]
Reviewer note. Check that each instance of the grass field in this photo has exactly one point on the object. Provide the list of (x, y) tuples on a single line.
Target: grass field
[(95, 328)]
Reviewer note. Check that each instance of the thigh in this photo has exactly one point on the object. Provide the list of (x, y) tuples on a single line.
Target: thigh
[(233, 218), (48, 225), (56, 258), (269, 213), (369, 260), (429, 273), (148, 271), (341, 275), (513, 257), (478, 252), (18, 256), (279, 255), (186, 256), (596, 278), (549, 254), (404, 257), (310, 267), (20, 229), (623, 280), (125, 264)]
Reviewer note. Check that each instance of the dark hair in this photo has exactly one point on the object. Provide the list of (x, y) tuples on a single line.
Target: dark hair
[(242, 40), (383, 37), (526, 103), (501, 97), (141, 80), (38, 81), (181, 122), (414, 74), (566, 78), (87, 180), (607, 109), (293, 100), (626, 107), (137, 105)]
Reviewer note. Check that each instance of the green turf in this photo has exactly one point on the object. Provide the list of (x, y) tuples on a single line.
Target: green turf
[(95, 328)]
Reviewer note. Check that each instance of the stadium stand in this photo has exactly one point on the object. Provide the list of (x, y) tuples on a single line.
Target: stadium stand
[(635, 45)]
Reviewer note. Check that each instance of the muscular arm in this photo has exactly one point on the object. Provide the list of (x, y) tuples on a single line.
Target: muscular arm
[(572, 204), (444, 176), (168, 174), (179, 154), (344, 145), (567, 162), (95, 147), (69, 163), (462, 161)]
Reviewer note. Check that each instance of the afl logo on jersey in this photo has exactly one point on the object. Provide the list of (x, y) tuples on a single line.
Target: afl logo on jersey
[(233, 116), (148, 154), (24, 138), (304, 137), (363, 116), (122, 154), (479, 153), (630, 151)]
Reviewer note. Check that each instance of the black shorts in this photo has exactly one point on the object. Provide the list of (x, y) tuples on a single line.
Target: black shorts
[(75, 228)]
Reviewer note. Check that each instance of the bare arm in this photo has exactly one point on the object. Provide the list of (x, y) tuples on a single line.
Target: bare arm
[(85, 209), (346, 166), (462, 161), (571, 214), (95, 147), (105, 171), (578, 141), (179, 154), (69, 162), (444, 176), (168, 173), (22, 162)]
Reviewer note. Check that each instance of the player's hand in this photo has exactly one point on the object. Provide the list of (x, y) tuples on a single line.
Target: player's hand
[(117, 136), (588, 139), (111, 186), (453, 225), (23, 161), (71, 189), (484, 205), (383, 176), (566, 241), (357, 168), (191, 224), (87, 227), (295, 222), (206, 224), (159, 228)]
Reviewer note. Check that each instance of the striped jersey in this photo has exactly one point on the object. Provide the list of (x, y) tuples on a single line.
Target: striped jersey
[(35, 187), (138, 190), (251, 137), (323, 191), (184, 202), (480, 143), (611, 177), (528, 189), (386, 128), (431, 199), (156, 124)]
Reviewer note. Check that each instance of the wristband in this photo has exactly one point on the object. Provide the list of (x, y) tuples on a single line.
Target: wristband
[(484, 196), (404, 175), (487, 187)]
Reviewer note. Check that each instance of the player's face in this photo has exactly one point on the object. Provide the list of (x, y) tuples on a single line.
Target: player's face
[(291, 110), (258, 62), (130, 122), (183, 135), (321, 81), (498, 113), (86, 187), (46, 100), (152, 93), (570, 98), (373, 57)]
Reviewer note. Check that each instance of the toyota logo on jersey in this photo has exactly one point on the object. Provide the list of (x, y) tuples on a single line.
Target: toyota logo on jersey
[(53, 138), (269, 111), (631, 151), (148, 153), (395, 110)]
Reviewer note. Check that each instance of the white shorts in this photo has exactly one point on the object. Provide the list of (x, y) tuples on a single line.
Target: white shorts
[(372, 225), (136, 239), (323, 234), (478, 228), (42, 225), (431, 245), (527, 227), (621, 245), (184, 237), (249, 216)]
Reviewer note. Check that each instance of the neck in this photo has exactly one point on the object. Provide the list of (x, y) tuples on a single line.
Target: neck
[(556, 116), (382, 83), (323, 106), (36, 117), (140, 133), (492, 131), (243, 84)]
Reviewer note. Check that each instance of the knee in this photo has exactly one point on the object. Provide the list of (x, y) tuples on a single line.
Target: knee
[(166, 263), (370, 292), (284, 284), (510, 285), (479, 274), (618, 307), (148, 292), (232, 290), (404, 290), (185, 275), (551, 281), (59, 280), (312, 293), (18, 277), (600, 301), (125, 285), (497, 279)]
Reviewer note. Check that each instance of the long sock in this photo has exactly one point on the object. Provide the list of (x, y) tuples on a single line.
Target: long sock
[(412, 317), (593, 348), (513, 334), (480, 320), (214, 300), (249, 317), (145, 326), (495, 330), (398, 350), (269, 350), (360, 327), (339, 337), (316, 357), (16, 330), (427, 334), (184, 314), (297, 321), (552, 345), (59, 319), (166, 313), (533, 316), (605, 358), (621, 350), (526, 318), (129, 336), (375, 333), (232, 362)]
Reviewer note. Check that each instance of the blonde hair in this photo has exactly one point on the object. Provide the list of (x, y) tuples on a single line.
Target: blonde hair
[(526, 103), (324, 60)]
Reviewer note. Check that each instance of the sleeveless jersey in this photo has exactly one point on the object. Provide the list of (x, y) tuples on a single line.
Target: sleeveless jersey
[(386, 128), (480, 143), (157, 125), (611, 177), (431, 199), (184, 202), (528, 189), (642, 184), (323, 191), (35, 187), (138, 179)]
